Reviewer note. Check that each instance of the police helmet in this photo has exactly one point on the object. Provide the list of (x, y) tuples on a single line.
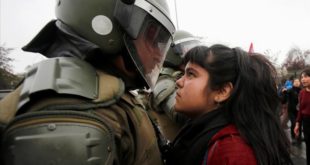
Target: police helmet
[(183, 41), (143, 27)]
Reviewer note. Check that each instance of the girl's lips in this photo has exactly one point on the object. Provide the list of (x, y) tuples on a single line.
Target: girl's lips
[(178, 94)]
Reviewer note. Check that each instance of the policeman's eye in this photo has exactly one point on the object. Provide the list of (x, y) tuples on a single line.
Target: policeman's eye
[(152, 32)]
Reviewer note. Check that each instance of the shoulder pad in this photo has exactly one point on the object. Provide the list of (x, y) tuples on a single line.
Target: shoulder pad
[(175, 74), (163, 88), (63, 75), (67, 75), (166, 71)]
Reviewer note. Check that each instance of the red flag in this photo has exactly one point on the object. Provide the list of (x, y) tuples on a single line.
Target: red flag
[(251, 49)]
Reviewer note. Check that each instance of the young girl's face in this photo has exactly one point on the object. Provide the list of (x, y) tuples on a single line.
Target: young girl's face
[(194, 96), (305, 80)]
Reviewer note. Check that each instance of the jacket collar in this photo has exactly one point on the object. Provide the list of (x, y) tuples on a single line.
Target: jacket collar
[(57, 39), (203, 124)]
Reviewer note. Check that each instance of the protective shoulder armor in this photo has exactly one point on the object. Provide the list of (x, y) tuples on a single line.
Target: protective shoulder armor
[(163, 88), (175, 74), (167, 71), (71, 76)]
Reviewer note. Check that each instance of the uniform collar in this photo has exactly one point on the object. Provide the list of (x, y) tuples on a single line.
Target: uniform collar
[(57, 39)]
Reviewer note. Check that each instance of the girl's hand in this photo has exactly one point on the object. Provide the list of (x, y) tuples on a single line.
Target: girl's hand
[(296, 129)]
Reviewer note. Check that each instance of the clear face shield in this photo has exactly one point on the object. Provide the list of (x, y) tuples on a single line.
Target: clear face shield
[(181, 48), (149, 49)]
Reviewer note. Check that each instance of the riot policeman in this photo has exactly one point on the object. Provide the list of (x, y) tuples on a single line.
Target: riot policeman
[(75, 107), (162, 97)]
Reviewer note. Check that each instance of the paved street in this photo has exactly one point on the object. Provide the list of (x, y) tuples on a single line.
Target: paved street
[(298, 151), (299, 154)]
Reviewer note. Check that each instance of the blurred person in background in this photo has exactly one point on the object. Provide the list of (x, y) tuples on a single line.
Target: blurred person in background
[(292, 101), (303, 117)]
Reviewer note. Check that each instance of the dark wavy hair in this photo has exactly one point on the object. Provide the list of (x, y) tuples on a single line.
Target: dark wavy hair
[(253, 103), (306, 71)]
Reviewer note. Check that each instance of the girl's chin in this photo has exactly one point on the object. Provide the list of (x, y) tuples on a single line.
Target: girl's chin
[(177, 108)]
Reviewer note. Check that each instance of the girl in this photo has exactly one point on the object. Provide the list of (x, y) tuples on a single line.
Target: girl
[(231, 98), (304, 111)]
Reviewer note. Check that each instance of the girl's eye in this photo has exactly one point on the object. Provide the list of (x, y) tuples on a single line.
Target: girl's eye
[(190, 74)]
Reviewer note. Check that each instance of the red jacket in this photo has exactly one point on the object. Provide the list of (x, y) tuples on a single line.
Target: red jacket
[(228, 148)]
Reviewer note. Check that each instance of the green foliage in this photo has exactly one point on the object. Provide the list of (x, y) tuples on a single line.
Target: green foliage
[(7, 79), (296, 59), (273, 57), (4, 59)]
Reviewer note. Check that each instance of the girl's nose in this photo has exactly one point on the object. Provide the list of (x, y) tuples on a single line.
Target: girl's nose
[(179, 82)]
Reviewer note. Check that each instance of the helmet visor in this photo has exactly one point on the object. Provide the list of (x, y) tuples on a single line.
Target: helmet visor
[(183, 47), (149, 49)]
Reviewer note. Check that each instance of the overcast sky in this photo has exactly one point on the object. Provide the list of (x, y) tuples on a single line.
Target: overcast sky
[(275, 25)]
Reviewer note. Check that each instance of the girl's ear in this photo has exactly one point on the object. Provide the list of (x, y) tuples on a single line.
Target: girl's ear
[(223, 93)]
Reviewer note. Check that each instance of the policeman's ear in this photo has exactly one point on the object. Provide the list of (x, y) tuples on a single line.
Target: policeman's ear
[(223, 93)]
